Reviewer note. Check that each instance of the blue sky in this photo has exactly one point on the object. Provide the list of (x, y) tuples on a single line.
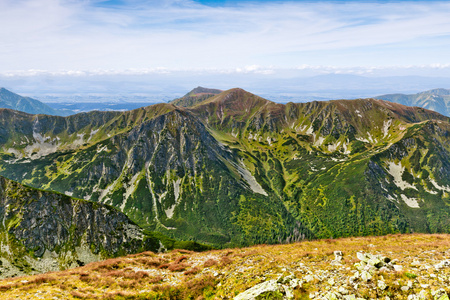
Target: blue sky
[(265, 37)]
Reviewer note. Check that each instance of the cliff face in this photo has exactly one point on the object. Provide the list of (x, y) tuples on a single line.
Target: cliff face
[(45, 231)]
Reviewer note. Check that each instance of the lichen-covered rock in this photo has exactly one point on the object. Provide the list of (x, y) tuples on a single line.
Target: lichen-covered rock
[(440, 294), (370, 263), (281, 288), (268, 287), (338, 257)]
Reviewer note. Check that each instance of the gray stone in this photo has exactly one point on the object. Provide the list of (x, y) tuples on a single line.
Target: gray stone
[(338, 255), (398, 268), (440, 294), (281, 287), (381, 285), (252, 293), (333, 296), (366, 276)]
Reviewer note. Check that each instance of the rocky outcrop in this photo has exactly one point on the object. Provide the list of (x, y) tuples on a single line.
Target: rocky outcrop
[(46, 231), (368, 275), (281, 288)]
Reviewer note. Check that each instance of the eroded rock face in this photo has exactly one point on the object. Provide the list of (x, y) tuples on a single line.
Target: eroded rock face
[(44, 231)]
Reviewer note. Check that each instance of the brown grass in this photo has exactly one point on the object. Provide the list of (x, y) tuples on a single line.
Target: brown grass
[(210, 262), (187, 275), (192, 271), (178, 267), (225, 261)]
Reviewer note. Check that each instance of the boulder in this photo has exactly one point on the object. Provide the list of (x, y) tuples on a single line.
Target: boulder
[(281, 288), (440, 294)]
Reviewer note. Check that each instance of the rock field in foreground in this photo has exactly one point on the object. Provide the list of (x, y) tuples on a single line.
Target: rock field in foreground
[(413, 266)]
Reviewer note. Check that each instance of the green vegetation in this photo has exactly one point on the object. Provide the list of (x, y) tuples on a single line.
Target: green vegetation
[(232, 169)]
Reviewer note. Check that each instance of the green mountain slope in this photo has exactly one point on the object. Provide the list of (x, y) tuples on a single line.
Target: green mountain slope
[(195, 96), (330, 162), (436, 99), (237, 169), (26, 104), (165, 171)]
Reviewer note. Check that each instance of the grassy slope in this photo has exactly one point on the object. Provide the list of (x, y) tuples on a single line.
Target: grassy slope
[(223, 274)]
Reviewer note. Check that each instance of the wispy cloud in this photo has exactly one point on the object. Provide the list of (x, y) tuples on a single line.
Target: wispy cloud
[(442, 70), (98, 36)]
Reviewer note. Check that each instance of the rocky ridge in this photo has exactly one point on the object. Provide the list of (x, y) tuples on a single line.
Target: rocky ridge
[(45, 231)]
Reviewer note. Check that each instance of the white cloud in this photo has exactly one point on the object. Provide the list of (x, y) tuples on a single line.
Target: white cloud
[(60, 35), (269, 72)]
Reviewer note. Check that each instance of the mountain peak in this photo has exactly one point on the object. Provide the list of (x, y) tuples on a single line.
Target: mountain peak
[(197, 95), (203, 90), (239, 96), (438, 92)]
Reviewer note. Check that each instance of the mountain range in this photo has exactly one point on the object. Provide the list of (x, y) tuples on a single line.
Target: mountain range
[(231, 169), (436, 99), (238, 169)]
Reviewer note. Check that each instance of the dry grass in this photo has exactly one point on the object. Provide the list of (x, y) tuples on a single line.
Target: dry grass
[(210, 262), (182, 274)]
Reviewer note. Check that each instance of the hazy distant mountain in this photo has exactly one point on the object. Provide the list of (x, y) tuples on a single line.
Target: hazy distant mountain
[(436, 99), (14, 101), (195, 96)]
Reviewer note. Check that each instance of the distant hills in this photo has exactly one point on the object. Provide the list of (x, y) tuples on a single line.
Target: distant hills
[(436, 99), (29, 105)]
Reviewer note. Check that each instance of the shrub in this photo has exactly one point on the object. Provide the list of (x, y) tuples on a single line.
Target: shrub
[(209, 263), (192, 271), (178, 267)]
